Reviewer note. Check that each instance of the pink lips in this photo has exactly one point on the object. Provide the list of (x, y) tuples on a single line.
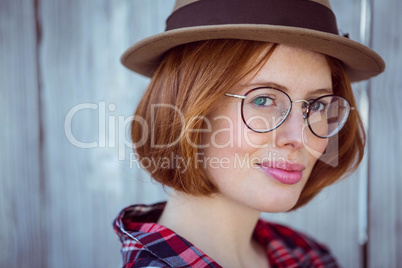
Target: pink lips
[(284, 172)]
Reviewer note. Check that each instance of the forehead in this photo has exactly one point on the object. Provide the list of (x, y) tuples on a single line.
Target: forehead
[(296, 69)]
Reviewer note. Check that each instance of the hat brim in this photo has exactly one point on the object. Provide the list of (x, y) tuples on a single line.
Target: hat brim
[(360, 62)]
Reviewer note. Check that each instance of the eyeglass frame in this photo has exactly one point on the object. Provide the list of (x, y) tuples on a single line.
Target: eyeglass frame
[(304, 114)]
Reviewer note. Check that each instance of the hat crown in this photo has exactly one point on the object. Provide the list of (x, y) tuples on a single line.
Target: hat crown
[(308, 24), (303, 14), (182, 3)]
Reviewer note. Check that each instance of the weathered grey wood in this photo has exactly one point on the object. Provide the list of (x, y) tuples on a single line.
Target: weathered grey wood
[(60, 215), (332, 217), (385, 244), (86, 188), (22, 237)]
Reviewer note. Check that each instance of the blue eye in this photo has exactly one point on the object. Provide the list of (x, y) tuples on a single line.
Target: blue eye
[(262, 101), (318, 106)]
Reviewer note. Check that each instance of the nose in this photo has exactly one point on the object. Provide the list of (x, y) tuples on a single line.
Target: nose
[(305, 106), (290, 133)]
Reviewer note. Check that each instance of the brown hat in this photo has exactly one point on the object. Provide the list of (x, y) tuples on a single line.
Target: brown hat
[(308, 24)]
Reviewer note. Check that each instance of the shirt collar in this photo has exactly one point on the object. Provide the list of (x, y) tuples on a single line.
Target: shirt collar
[(283, 245)]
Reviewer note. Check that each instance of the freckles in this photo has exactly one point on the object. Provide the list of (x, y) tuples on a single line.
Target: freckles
[(222, 138), (314, 146), (258, 140)]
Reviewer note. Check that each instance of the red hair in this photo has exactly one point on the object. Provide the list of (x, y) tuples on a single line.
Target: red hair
[(192, 79)]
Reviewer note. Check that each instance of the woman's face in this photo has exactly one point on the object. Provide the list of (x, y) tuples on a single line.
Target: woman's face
[(267, 171)]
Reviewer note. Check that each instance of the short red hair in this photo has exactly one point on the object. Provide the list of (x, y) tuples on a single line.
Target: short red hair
[(194, 78)]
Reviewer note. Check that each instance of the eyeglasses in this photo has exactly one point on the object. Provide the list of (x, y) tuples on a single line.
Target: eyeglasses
[(264, 109)]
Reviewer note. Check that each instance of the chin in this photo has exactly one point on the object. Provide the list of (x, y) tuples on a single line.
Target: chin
[(274, 201), (278, 197), (277, 206)]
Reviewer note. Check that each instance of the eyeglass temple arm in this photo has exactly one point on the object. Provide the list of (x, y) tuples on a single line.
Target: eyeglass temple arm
[(235, 96)]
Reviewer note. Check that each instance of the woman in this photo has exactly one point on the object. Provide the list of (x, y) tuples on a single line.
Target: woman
[(247, 105)]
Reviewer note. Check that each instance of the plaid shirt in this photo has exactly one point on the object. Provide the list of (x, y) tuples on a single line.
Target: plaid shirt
[(147, 244)]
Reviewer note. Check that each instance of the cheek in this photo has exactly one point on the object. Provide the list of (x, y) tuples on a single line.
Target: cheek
[(228, 142), (330, 155), (228, 131), (313, 145), (314, 150), (226, 138), (226, 128), (231, 136)]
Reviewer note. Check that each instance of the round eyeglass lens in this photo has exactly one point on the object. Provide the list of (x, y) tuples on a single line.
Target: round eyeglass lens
[(264, 109), (327, 115)]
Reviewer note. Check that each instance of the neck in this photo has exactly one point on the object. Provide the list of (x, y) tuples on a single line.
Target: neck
[(220, 227)]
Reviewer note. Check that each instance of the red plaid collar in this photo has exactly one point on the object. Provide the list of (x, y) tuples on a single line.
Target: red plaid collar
[(146, 243)]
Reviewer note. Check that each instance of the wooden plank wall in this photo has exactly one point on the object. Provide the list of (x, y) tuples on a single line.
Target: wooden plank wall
[(57, 199), (85, 188), (385, 143), (21, 183)]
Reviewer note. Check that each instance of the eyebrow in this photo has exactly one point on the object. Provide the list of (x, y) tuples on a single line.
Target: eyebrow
[(319, 91)]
